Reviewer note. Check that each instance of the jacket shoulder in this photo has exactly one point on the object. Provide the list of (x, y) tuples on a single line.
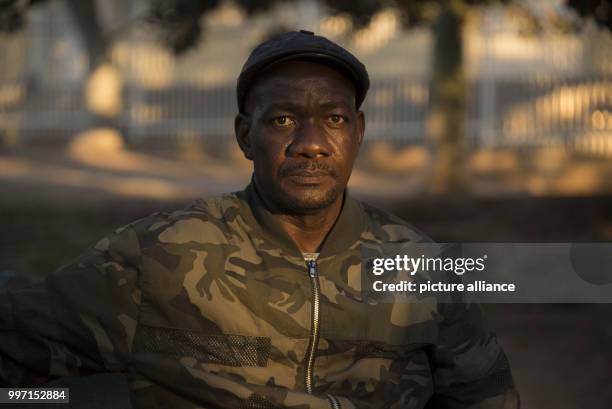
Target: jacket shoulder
[(205, 220), (388, 227)]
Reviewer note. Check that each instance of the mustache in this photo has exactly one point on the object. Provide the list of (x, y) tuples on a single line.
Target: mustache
[(308, 168)]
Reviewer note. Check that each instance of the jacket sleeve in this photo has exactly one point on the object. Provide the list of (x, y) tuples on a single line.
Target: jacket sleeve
[(471, 370), (79, 320)]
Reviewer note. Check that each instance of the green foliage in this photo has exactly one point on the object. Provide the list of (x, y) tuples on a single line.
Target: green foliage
[(360, 11), (413, 12), (426, 11), (12, 14), (179, 21), (252, 7), (10, 17), (598, 10)]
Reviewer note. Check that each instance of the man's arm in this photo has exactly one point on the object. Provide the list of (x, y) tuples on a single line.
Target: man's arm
[(80, 320), (471, 370)]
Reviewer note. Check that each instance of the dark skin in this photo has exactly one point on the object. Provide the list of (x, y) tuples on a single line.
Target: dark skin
[(302, 131)]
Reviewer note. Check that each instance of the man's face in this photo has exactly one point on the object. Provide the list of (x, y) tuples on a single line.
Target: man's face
[(303, 132)]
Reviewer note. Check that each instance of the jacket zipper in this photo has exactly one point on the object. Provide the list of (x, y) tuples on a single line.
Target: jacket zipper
[(311, 264), (334, 402)]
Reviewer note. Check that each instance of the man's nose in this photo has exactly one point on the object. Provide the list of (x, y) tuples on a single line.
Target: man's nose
[(310, 141)]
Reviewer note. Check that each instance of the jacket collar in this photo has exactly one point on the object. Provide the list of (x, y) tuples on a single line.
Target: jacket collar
[(347, 229)]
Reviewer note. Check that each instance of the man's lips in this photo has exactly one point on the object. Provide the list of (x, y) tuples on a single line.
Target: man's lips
[(308, 178), (309, 174)]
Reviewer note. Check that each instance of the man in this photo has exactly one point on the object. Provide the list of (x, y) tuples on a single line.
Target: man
[(252, 300)]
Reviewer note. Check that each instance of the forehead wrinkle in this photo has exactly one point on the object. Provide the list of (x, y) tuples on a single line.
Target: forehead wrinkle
[(308, 93)]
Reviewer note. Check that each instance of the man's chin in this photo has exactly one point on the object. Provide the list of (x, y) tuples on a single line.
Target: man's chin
[(309, 200)]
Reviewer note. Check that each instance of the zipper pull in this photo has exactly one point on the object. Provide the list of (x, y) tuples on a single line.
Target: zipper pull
[(312, 268)]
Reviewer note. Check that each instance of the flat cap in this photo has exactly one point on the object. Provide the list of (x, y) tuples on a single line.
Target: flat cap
[(302, 45)]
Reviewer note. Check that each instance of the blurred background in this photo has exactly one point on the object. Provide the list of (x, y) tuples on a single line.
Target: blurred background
[(486, 121)]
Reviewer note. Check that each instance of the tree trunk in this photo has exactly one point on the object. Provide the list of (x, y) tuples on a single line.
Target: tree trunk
[(445, 121), (102, 88)]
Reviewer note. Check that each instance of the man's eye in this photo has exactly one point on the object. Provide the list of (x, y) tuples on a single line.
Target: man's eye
[(283, 121), (336, 119)]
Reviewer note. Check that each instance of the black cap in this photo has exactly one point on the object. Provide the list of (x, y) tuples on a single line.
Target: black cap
[(302, 45)]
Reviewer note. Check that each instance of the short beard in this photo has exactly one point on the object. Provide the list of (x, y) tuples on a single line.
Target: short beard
[(311, 203)]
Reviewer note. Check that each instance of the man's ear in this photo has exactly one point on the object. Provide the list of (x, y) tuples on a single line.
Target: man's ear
[(360, 126), (242, 126)]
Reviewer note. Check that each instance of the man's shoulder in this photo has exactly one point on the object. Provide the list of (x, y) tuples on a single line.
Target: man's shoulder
[(204, 220), (387, 227)]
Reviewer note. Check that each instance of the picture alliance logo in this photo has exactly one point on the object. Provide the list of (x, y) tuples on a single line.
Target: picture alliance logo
[(412, 265)]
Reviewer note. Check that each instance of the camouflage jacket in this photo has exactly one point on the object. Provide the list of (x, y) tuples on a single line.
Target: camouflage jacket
[(215, 307)]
